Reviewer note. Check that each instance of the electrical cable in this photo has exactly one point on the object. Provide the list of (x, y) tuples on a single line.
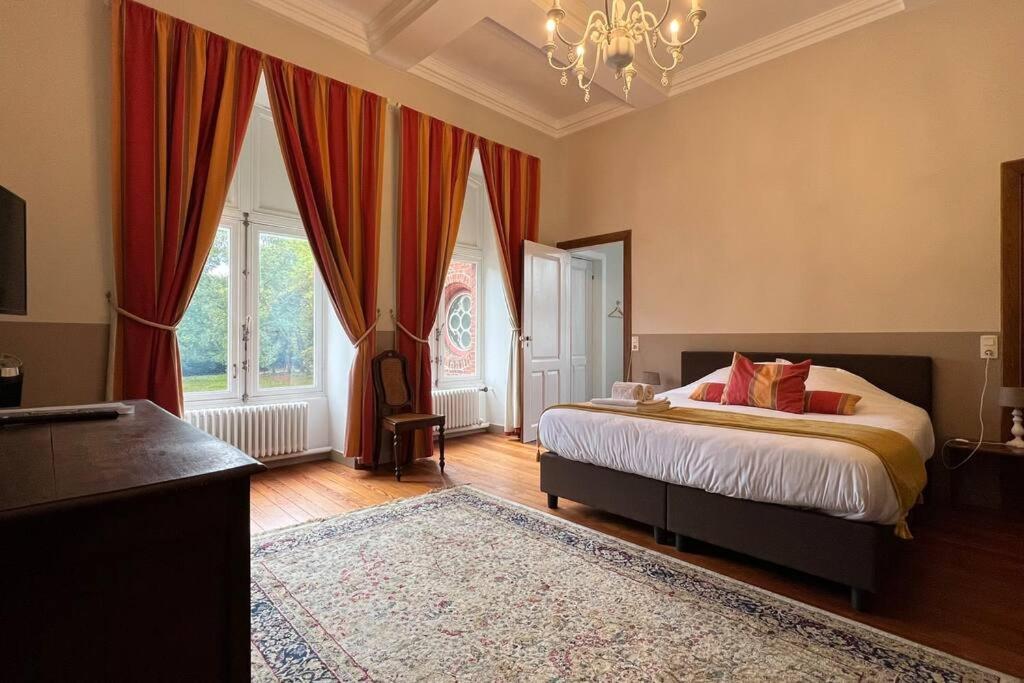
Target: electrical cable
[(981, 434)]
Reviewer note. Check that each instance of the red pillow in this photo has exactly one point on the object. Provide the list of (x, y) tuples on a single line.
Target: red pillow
[(766, 385), (830, 402), (708, 391)]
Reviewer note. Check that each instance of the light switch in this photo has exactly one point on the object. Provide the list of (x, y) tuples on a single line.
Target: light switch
[(989, 346), (635, 343)]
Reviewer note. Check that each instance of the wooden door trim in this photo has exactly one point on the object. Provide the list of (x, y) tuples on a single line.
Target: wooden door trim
[(624, 236), (1012, 274)]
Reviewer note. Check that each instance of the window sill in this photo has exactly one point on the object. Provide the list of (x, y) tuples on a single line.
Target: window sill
[(199, 404)]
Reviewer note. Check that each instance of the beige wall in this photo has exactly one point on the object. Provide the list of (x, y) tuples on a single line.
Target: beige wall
[(55, 139), (852, 186)]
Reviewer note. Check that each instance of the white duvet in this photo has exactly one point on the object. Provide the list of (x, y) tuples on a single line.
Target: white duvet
[(836, 478)]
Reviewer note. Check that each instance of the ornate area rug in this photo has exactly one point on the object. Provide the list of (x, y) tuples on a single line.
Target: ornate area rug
[(460, 585)]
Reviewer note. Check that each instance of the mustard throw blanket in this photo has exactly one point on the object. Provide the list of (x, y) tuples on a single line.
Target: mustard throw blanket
[(899, 456)]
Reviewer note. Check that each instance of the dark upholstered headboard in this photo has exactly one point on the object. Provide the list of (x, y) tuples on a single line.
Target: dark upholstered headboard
[(905, 377)]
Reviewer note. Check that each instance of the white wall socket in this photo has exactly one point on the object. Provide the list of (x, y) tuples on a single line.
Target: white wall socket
[(989, 346), (634, 344)]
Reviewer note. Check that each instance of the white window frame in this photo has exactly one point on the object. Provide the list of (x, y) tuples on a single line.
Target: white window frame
[(235, 305), (438, 349), (277, 226), (243, 357)]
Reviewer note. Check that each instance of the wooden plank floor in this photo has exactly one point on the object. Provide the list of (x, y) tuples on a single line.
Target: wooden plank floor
[(958, 586)]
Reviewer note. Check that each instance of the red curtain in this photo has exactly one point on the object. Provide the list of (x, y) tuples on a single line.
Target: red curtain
[(513, 186), (332, 138), (435, 159), (182, 98)]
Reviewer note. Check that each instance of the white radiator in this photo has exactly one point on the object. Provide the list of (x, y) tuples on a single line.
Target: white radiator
[(262, 431), (463, 408)]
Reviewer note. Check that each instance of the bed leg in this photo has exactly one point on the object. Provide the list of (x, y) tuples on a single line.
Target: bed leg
[(859, 599), (552, 501), (682, 543), (662, 536)]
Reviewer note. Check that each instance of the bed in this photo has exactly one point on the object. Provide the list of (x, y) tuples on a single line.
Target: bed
[(821, 507)]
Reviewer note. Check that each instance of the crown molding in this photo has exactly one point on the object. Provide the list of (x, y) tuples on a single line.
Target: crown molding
[(591, 116), (802, 34), (458, 81), (393, 18), (472, 88), (322, 16)]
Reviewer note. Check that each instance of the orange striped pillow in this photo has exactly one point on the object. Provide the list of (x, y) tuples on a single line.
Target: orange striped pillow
[(830, 402), (766, 385), (708, 391)]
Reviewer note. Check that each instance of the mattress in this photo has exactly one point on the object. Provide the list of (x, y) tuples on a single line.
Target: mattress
[(839, 479)]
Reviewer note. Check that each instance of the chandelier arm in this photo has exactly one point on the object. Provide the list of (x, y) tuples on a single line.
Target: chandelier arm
[(650, 53), (572, 64), (644, 13), (597, 63), (597, 20)]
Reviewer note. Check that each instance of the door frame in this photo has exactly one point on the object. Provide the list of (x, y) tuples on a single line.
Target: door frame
[(1012, 276), (624, 236)]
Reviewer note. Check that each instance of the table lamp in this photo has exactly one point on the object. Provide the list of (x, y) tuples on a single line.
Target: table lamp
[(654, 379), (1013, 397)]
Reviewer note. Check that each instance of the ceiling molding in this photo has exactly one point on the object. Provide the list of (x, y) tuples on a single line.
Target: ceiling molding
[(591, 116), (393, 19), (802, 34), (322, 16), (472, 88)]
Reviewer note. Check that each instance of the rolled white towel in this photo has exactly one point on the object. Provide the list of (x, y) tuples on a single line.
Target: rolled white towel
[(625, 404), (633, 391)]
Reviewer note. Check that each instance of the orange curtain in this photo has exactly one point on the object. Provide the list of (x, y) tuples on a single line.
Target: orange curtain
[(513, 185), (332, 137), (182, 98), (435, 159)]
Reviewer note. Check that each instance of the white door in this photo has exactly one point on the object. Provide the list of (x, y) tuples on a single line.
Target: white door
[(546, 366), (580, 328)]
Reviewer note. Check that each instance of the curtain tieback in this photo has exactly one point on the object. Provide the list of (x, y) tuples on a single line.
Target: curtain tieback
[(372, 326), (138, 319), (403, 328)]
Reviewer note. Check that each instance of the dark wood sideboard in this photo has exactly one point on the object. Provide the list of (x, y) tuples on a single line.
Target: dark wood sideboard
[(124, 551)]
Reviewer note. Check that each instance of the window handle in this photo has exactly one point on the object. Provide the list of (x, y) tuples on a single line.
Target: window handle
[(234, 371)]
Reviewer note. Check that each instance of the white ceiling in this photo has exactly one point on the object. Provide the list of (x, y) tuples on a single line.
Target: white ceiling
[(490, 50)]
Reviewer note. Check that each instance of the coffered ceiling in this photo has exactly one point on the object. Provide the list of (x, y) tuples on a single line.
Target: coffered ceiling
[(490, 50)]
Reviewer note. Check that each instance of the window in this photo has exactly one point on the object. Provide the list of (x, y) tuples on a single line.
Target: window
[(286, 323), (457, 331), (254, 327), (203, 338)]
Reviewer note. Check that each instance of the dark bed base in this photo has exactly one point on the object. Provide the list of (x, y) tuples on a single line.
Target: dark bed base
[(850, 553)]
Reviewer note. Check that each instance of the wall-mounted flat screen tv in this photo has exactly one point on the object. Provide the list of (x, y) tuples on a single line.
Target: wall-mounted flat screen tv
[(13, 298)]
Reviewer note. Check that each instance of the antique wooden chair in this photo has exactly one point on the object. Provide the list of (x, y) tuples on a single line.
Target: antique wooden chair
[(394, 409)]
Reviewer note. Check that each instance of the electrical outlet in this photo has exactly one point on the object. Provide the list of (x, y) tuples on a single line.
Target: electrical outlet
[(989, 346), (634, 344)]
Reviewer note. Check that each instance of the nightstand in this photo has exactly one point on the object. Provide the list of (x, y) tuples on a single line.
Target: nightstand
[(1011, 472)]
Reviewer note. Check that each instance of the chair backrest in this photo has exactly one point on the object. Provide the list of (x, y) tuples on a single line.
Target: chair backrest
[(391, 384)]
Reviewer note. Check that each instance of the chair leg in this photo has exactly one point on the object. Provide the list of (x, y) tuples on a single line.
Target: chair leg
[(377, 443), (440, 445), (397, 452)]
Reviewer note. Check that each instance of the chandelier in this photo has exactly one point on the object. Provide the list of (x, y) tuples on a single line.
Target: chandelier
[(616, 32)]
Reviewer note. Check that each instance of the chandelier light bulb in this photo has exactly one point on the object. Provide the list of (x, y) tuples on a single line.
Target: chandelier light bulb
[(580, 50), (673, 29), (551, 30)]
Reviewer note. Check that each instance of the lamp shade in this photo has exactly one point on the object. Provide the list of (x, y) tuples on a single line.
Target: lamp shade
[(1011, 397), (654, 378)]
